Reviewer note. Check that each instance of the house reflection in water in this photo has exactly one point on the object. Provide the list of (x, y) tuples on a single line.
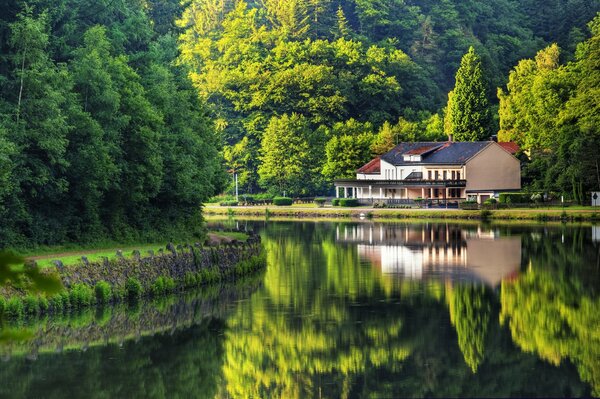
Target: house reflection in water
[(437, 251)]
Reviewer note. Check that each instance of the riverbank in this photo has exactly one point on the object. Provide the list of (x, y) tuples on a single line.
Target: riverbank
[(127, 279), (122, 322), (537, 214)]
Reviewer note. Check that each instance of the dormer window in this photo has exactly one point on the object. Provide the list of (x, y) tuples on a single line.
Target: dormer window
[(412, 158)]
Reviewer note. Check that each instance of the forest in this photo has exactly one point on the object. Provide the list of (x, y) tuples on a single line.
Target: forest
[(118, 118), (340, 82)]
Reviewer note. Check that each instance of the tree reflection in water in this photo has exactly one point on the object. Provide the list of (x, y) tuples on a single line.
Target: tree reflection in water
[(332, 324), (420, 310)]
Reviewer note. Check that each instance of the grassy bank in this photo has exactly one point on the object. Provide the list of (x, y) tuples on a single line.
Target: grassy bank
[(71, 255), (80, 296), (76, 329), (537, 214), (123, 280)]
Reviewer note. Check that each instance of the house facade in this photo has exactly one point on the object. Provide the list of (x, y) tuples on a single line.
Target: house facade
[(442, 172)]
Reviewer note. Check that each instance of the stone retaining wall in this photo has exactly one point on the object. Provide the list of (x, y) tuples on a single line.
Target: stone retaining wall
[(176, 262)]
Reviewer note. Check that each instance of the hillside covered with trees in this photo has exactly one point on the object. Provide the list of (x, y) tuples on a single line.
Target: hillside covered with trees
[(101, 133), (342, 81), (119, 117)]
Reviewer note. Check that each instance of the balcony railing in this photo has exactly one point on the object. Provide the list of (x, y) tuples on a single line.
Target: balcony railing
[(401, 183)]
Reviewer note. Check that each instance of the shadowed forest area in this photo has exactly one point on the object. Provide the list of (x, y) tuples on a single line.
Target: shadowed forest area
[(119, 118)]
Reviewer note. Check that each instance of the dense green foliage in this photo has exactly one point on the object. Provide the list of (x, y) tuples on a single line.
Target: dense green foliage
[(553, 111), (374, 334), (113, 114), (282, 201), (385, 65), (514, 198), (101, 134), (324, 318), (348, 202), (468, 115)]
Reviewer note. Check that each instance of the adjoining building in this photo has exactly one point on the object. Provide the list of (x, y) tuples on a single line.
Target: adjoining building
[(437, 172)]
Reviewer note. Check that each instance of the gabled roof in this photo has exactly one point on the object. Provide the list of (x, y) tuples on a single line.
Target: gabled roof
[(372, 168), (511, 147), (451, 153), (422, 150)]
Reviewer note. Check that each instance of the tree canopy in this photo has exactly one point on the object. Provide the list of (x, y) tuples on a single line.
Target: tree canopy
[(372, 61), (101, 134), (468, 112)]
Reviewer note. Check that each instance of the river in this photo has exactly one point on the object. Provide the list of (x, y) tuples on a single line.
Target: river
[(344, 310)]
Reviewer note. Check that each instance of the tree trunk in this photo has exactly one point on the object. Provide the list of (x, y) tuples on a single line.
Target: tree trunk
[(21, 86)]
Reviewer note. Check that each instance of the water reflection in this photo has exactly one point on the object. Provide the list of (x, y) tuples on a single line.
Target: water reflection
[(332, 321), (439, 251), (349, 310)]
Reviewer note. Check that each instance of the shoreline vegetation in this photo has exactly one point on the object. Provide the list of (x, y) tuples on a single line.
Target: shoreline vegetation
[(127, 279), (577, 214), (120, 322)]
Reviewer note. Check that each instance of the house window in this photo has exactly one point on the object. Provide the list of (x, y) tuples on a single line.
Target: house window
[(445, 175), (457, 175), (453, 175), (429, 175), (437, 175)]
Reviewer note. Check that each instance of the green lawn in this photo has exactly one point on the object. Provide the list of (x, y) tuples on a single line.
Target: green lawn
[(72, 255), (235, 235), (93, 255)]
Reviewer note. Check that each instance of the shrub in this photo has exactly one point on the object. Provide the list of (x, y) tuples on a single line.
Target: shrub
[(220, 198), (485, 214), (249, 265), (320, 201), (514, 198), (43, 304), (263, 197), (468, 205), (248, 198), (30, 305), (282, 201), (133, 288), (229, 203), (81, 295), (335, 202), (14, 307), (348, 202), (489, 203), (57, 303), (162, 285), (190, 280), (103, 292), (209, 275), (2, 304)]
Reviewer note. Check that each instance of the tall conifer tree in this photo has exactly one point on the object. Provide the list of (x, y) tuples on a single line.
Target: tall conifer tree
[(469, 108)]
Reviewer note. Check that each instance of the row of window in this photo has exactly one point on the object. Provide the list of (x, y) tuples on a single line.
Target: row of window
[(445, 175), (390, 174), (452, 193)]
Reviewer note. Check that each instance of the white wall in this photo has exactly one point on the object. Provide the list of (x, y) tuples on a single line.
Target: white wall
[(391, 172)]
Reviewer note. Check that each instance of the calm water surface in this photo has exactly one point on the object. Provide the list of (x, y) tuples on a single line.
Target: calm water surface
[(344, 310)]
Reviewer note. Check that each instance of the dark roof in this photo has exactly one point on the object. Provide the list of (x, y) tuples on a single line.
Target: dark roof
[(422, 150), (511, 147), (373, 167), (415, 176), (445, 153)]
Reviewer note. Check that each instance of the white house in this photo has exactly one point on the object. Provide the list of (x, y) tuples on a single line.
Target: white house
[(444, 171)]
